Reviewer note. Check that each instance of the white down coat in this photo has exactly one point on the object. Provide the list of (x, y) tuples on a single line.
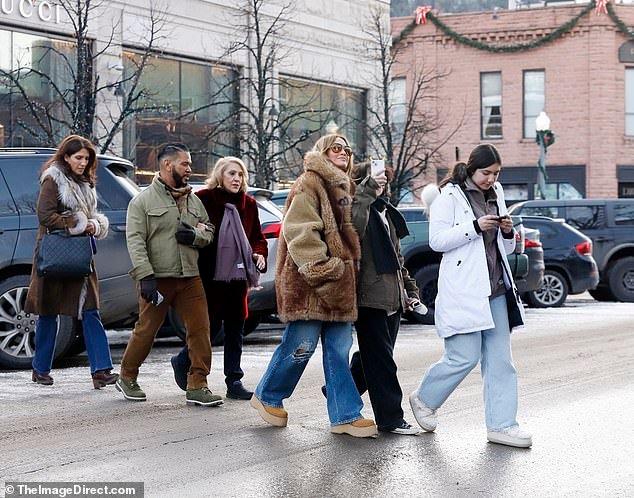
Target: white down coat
[(462, 303)]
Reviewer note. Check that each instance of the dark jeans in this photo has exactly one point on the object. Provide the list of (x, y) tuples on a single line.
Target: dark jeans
[(234, 329), (376, 333)]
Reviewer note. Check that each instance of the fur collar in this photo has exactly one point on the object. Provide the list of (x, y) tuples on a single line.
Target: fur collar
[(73, 195), (329, 173)]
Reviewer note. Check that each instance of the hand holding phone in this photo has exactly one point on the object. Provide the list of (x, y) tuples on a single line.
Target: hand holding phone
[(377, 166)]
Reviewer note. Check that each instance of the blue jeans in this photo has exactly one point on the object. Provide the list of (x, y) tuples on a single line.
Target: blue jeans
[(492, 348), (291, 357), (95, 338)]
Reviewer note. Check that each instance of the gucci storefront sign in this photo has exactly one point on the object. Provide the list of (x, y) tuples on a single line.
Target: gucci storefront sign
[(45, 10)]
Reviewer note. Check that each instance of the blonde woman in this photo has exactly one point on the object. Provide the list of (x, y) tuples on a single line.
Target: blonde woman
[(316, 290), (225, 198)]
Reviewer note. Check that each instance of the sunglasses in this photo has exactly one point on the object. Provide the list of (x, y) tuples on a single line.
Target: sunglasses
[(337, 148)]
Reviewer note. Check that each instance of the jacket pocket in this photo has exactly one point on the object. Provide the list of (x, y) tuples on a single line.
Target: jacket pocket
[(339, 295)]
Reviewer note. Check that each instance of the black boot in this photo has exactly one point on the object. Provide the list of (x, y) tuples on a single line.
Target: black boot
[(237, 391)]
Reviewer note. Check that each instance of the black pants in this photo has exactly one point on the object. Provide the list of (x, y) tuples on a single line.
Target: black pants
[(233, 329), (373, 368)]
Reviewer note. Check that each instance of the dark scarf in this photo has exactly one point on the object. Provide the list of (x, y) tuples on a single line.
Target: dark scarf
[(383, 253)]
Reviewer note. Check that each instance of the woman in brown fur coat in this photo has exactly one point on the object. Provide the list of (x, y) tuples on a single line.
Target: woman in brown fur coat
[(68, 201), (316, 290)]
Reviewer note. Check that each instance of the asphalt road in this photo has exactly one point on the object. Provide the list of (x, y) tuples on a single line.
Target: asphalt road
[(575, 368)]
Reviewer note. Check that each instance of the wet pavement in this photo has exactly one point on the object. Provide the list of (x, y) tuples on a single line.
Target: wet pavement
[(575, 368)]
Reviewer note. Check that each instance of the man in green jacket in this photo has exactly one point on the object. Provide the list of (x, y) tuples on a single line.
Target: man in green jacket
[(166, 226)]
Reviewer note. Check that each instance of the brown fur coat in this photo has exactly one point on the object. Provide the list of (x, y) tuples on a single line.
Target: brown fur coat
[(318, 252)]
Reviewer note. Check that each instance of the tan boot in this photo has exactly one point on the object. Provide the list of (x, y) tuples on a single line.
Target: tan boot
[(274, 416), (364, 427)]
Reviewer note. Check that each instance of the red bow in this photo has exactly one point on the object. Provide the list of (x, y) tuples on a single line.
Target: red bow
[(602, 6), (421, 13)]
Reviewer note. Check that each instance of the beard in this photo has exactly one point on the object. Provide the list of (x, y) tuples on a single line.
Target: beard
[(179, 180)]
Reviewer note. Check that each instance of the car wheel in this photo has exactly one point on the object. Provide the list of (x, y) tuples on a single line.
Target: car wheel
[(17, 328), (251, 323), (427, 282), (621, 279), (181, 332), (602, 294), (552, 293)]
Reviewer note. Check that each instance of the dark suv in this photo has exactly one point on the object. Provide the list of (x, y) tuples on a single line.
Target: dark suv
[(610, 225), (19, 189)]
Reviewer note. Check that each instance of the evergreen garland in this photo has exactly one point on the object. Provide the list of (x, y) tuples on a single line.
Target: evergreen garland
[(621, 26), (516, 47)]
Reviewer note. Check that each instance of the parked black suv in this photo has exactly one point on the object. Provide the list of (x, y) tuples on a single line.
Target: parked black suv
[(19, 189), (610, 225)]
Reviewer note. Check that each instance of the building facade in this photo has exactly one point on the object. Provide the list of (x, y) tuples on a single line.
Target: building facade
[(196, 79), (583, 79)]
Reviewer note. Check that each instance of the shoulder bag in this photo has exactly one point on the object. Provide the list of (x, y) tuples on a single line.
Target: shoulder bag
[(61, 255)]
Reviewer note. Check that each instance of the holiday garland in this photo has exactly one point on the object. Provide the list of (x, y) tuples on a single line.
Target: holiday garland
[(516, 47)]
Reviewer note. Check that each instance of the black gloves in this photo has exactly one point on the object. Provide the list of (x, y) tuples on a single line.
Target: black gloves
[(186, 234), (149, 291)]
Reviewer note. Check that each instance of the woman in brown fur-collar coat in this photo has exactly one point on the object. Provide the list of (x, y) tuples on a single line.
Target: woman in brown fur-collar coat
[(68, 201), (315, 280)]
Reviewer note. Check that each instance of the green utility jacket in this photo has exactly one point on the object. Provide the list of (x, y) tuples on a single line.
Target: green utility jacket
[(152, 220), (390, 291)]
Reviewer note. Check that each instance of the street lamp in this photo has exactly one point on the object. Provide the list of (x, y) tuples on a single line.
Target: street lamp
[(331, 127), (544, 138)]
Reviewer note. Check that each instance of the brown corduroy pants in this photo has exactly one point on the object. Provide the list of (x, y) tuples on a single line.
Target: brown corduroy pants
[(187, 296)]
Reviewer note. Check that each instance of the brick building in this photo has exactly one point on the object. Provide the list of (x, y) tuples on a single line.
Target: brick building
[(584, 80)]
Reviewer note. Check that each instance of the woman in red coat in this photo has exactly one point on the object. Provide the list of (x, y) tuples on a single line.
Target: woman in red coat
[(225, 198)]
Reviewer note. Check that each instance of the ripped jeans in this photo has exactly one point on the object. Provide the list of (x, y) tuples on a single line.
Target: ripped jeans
[(291, 357)]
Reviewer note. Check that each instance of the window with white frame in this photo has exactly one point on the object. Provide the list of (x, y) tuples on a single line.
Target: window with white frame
[(533, 100), (398, 107), (629, 101), (491, 104)]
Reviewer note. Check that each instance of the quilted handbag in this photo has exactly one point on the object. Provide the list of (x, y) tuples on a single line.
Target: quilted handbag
[(61, 255)]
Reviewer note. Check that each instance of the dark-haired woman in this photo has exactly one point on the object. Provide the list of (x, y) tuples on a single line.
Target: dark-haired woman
[(469, 224), (68, 201)]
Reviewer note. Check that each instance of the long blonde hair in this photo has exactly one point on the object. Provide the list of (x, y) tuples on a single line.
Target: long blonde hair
[(215, 177)]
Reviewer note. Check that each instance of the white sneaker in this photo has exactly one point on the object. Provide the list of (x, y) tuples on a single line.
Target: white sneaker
[(511, 436), (425, 416)]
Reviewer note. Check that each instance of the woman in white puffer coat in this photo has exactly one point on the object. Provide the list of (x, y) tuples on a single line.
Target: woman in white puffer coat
[(469, 224)]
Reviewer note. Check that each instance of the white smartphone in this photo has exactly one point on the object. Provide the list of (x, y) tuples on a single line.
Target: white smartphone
[(377, 166), (159, 298)]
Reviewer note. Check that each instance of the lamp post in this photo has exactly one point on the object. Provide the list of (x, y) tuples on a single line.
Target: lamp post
[(544, 138), (331, 127)]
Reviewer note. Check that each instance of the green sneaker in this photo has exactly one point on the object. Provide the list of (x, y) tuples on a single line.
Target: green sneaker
[(130, 389), (204, 397)]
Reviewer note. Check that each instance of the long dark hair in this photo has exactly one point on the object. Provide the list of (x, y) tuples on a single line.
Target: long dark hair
[(69, 146), (482, 156)]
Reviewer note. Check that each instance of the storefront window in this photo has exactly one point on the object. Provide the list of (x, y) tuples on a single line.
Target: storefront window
[(184, 102), (35, 71), (309, 110)]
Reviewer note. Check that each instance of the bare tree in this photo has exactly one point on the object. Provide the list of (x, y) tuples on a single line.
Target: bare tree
[(264, 137), (409, 133), (74, 89)]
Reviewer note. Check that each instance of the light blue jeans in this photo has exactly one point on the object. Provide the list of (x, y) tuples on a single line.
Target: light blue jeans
[(291, 357), (95, 338), (492, 348)]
